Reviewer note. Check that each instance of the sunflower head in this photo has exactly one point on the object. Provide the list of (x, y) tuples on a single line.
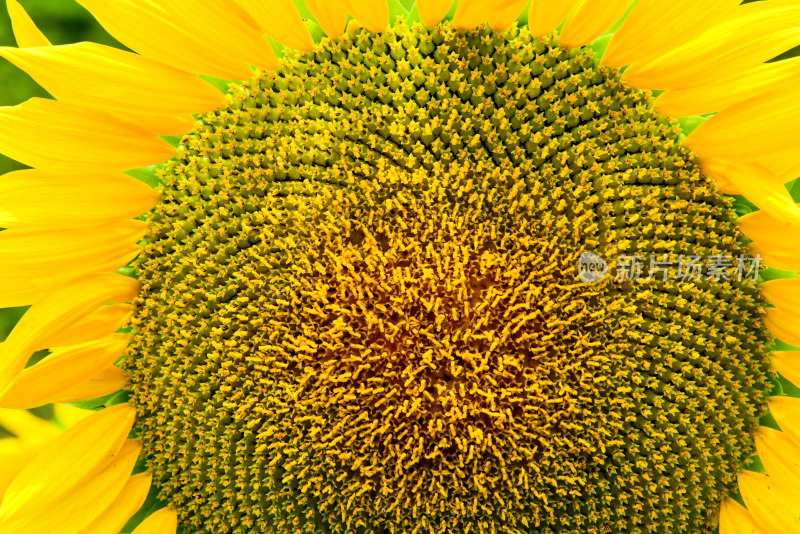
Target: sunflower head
[(360, 308)]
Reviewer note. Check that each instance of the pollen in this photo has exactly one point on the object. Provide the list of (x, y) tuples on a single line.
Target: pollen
[(361, 310)]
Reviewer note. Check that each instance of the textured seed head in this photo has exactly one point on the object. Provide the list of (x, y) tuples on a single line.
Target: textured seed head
[(361, 313)]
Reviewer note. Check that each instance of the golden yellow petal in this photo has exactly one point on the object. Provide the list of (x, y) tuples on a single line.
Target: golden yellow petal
[(758, 32), (37, 252), (62, 137), (164, 521), (55, 313), (732, 89), (735, 519), (22, 291), (372, 14), (331, 15), (785, 165), (36, 198), (74, 511), (433, 11), (99, 324), (784, 319), (214, 37), (31, 430), (784, 324), (161, 124), (474, 13), (590, 20), (109, 380), (644, 35), (113, 80), (774, 508), (68, 461), (14, 456), (780, 456), (501, 19), (782, 293), (717, 170), (68, 416), (63, 370), (775, 240), (545, 16), (786, 411), (31, 433), (757, 129), (755, 182), (25, 31), (130, 499), (787, 363), (281, 20)]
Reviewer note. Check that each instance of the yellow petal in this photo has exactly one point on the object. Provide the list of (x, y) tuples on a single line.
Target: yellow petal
[(501, 19), (130, 499), (331, 15), (735, 519), (36, 252), (21, 291), (591, 20), (164, 521), (56, 312), (474, 13), (780, 456), (775, 240), (32, 434), (787, 363), (161, 124), (99, 324), (732, 89), (784, 324), (25, 30), (66, 462), (68, 416), (74, 511), (786, 411), (31, 430), (114, 80), (14, 456), (63, 370), (784, 319), (372, 14), (755, 182), (109, 380), (281, 20), (774, 509), (758, 32), (654, 27), (785, 165), (545, 16), (63, 137), (214, 37), (717, 171), (433, 11), (783, 293), (37, 198)]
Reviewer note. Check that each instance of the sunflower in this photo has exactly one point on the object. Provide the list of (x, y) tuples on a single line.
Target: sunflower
[(342, 295)]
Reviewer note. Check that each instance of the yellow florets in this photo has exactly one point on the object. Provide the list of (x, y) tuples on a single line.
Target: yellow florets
[(361, 313)]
